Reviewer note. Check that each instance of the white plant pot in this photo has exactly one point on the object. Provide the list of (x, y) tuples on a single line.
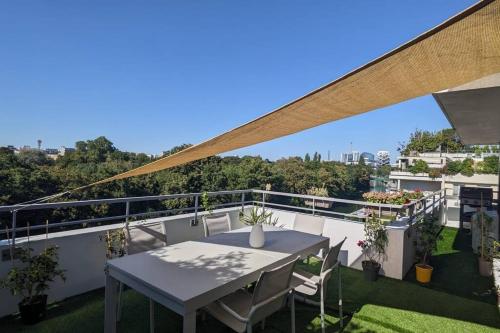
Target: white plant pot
[(257, 237)]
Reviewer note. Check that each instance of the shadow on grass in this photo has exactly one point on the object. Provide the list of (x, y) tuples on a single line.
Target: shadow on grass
[(456, 292)]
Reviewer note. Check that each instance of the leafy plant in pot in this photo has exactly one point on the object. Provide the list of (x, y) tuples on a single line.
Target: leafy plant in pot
[(373, 247), (486, 248), (31, 281), (255, 218), (427, 236)]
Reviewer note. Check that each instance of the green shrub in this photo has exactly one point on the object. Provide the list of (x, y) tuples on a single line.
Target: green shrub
[(452, 168), (467, 167), (419, 166)]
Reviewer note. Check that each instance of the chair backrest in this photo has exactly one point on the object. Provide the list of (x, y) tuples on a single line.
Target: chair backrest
[(273, 283), (214, 225), (309, 224), (145, 237), (331, 257)]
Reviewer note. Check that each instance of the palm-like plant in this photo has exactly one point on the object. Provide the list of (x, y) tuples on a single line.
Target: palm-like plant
[(258, 216)]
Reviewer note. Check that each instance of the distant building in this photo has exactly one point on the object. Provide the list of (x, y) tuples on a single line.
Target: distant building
[(11, 148), (51, 153), (350, 158), (383, 158), (64, 150), (368, 158), (408, 181)]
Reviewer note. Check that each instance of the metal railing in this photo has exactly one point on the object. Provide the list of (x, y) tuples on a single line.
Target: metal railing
[(411, 210)]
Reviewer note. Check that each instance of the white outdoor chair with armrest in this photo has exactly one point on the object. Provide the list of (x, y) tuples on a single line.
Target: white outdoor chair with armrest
[(307, 284), (140, 238), (241, 310), (310, 224), (214, 225)]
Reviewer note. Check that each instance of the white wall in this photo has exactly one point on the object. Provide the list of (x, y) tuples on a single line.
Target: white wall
[(82, 255), (336, 230)]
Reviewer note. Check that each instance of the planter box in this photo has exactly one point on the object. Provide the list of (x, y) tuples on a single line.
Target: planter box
[(319, 203)]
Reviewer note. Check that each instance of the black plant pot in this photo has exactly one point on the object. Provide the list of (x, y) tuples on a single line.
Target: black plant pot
[(32, 312), (370, 270)]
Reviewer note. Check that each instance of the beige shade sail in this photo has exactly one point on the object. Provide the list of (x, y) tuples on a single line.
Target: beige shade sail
[(464, 48)]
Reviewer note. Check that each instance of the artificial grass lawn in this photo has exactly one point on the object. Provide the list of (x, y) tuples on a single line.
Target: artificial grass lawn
[(455, 301)]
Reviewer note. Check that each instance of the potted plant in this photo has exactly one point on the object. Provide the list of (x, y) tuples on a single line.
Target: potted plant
[(256, 218), (318, 192), (31, 281), (486, 243), (115, 243), (427, 237), (373, 247)]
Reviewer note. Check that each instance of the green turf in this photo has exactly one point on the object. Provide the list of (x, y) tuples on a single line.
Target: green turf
[(456, 301)]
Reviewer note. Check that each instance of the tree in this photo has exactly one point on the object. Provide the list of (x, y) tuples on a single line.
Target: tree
[(307, 158), (420, 141)]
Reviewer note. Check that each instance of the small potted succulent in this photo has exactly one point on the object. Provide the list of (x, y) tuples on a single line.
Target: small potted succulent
[(427, 236), (318, 192), (31, 281), (373, 247), (256, 217)]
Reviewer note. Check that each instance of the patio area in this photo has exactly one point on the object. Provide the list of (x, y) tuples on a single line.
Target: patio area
[(457, 300)]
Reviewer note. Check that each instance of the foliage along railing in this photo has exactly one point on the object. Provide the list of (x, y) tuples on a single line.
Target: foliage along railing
[(251, 196)]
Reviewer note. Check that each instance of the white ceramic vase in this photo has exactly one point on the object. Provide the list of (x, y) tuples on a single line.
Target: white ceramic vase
[(257, 237)]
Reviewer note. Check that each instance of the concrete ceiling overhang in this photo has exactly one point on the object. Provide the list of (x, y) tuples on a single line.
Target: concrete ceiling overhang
[(473, 109)]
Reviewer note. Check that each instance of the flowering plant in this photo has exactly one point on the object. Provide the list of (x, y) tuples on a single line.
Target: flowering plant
[(396, 198)]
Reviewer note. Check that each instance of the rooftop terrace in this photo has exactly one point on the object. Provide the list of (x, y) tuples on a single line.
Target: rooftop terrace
[(457, 300)]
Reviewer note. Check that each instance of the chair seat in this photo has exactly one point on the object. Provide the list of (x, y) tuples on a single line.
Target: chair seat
[(240, 302), (305, 283)]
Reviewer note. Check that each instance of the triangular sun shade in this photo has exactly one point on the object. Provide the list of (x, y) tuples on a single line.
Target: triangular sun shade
[(464, 48)]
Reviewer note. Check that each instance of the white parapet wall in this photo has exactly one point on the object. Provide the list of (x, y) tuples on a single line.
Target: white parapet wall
[(400, 251), (82, 252)]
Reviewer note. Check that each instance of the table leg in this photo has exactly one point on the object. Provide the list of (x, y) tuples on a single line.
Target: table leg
[(111, 298), (189, 323)]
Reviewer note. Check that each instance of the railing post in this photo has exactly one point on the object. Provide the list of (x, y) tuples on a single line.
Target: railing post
[(195, 209), (433, 203), (127, 211), (14, 226), (242, 201), (314, 206), (379, 212), (263, 200)]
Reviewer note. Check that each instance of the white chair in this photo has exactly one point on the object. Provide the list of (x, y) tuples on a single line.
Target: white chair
[(140, 238), (307, 284), (241, 310), (214, 225), (310, 224)]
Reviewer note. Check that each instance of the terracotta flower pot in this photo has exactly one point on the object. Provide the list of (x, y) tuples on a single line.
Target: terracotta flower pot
[(424, 273)]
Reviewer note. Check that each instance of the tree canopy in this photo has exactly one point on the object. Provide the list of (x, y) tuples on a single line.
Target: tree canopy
[(445, 140)]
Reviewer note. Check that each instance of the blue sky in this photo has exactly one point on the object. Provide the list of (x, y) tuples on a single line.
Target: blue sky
[(153, 74)]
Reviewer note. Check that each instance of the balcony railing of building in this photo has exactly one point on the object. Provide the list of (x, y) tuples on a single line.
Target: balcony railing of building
[(353, 210)]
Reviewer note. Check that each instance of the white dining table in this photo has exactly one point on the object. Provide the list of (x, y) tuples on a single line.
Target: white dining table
[(187, 276)]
